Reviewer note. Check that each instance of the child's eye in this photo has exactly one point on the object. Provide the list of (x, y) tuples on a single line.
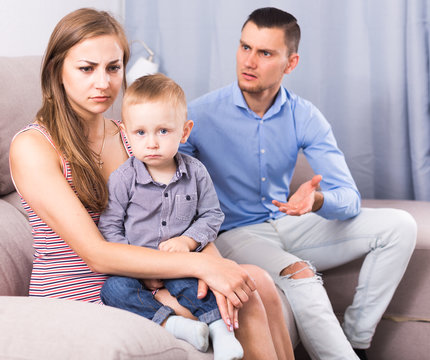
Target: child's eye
[(163, 131), (140, 132)]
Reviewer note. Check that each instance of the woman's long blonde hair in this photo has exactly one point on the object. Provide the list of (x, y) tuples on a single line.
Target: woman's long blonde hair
[(56, 113)]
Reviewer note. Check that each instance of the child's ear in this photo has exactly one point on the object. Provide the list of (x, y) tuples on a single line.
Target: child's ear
[(121, 125), (188, 126)]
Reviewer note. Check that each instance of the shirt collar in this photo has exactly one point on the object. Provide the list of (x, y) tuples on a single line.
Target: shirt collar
[(181, 169), (280, 100), (144, 177)]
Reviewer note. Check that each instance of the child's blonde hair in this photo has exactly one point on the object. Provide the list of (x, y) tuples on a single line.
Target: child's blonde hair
[(157, 87)]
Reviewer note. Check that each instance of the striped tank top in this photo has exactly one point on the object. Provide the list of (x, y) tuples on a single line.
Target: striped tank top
[(58, 272)]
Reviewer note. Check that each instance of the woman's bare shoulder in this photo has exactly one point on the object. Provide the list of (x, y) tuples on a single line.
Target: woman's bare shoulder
[(32, 147)]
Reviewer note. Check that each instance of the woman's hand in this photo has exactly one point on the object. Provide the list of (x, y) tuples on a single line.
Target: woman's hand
[(229, 279), (229, 301), (229, 313), (224, 276)]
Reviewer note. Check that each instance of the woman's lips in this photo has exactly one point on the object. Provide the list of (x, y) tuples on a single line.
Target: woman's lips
[(100, 99)]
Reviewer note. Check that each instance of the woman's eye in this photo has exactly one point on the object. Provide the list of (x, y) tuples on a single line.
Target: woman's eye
[(86, 68), (114, 68)]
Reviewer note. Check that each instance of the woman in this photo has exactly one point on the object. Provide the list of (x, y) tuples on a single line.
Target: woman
[(60, 165)]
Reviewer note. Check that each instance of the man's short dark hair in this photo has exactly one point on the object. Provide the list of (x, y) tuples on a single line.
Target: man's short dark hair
[(270, 17)]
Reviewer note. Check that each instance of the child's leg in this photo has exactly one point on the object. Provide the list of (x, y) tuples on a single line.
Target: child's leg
[(226, 346), (194, 332), (185, 291), (129, 294)]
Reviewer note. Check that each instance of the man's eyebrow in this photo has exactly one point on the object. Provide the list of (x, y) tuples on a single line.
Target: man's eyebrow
[(258, 49)]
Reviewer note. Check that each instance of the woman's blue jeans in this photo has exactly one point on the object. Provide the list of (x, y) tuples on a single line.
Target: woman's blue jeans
[(129, 294)]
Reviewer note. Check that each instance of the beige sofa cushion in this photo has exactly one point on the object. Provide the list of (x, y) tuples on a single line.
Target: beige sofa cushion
[(43, 328)]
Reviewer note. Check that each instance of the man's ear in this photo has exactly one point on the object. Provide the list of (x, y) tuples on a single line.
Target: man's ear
[(293, 60), (188, 126)]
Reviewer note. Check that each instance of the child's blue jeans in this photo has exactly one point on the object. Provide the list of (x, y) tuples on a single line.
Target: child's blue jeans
[(130, 294)]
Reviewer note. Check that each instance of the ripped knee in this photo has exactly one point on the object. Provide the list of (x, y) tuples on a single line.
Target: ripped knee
[(299, 270)]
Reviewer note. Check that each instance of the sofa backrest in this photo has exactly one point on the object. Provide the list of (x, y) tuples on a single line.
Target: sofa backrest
[(20, 97), (302, 173)]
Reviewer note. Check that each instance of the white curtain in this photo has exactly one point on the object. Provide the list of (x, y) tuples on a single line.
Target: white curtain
[(363, 63)]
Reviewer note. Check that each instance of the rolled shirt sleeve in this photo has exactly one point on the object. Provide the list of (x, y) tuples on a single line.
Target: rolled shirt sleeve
[(205, 227)]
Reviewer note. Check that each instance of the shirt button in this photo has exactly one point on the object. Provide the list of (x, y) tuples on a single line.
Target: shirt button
[(263, 179), (263, 151), (263, 198), (163, 223), (166, 194), (188, 197)]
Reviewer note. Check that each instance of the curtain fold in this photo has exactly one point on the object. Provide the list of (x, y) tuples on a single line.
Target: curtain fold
[(418, 90), (363, 63)]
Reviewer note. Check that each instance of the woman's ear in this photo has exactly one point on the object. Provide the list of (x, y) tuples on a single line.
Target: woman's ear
[(188, 126)]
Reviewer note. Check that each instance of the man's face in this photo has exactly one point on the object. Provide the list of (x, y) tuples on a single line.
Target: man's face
[(262, 59)]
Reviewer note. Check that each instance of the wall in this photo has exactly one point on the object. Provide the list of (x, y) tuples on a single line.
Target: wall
[(25, 25)]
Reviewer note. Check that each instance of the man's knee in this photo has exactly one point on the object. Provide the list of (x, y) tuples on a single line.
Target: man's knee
[(298, 270), (401, 229)]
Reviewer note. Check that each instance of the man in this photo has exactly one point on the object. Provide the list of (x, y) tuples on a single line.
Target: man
[(248, 135)]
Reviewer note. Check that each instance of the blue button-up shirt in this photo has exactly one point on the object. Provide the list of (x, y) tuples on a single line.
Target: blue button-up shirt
[(251, 159), (143, 212)]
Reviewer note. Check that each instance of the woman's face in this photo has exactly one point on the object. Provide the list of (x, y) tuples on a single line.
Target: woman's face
[(93, 74)]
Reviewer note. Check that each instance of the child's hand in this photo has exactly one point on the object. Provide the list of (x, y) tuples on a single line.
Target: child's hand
[(152, 284), (179, 244)]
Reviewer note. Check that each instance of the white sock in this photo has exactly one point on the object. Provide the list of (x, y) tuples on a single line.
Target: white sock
[(226, 346), (194, 332)]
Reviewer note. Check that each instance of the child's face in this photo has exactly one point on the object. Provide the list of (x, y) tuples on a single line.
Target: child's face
[(155, 130)]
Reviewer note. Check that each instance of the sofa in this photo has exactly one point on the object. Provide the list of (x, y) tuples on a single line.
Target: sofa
[(39, 328)]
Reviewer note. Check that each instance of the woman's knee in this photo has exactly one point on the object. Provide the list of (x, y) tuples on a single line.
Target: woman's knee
[(260, 276), (266, 287)]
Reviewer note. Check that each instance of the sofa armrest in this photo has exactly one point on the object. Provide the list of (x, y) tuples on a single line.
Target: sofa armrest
[(16, 251)]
